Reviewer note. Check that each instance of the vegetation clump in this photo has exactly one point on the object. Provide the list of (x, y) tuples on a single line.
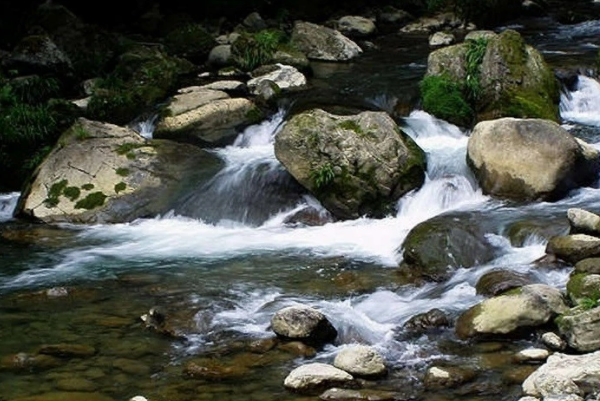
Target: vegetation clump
[(120, 187), (252, 50), (444, 98), (322, 176), (91, 201)]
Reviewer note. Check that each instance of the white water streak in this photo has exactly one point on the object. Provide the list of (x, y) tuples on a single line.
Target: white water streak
[(583, 104)]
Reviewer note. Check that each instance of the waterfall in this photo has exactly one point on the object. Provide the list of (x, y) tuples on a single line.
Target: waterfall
[(253, 185), (582, 105)]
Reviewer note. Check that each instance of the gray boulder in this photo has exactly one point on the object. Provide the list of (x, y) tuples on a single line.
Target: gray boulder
[(565, 375), (303, 323), (583, 222), (103, 173), (316, 377), (285, 77), (529, 159), (574, 248), (206, 117), (356, 26), (581, 328), (322, 43), (355, 165), (39, 54), (360, 360)]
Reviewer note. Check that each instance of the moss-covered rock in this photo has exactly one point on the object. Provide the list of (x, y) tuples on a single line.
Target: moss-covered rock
[(190, 41), (83, 180), (498, 75), (355, 165)]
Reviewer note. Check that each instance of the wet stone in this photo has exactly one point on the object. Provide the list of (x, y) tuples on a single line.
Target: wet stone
[(341, 394), (67, 395), (532, 355), (76, 384), (298, 348), (68, 350), (553, 341), (498, 281)]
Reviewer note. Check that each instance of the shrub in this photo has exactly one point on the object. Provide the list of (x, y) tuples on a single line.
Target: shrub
[(443, 98), (473, 58), (253, 50), (322, 176)]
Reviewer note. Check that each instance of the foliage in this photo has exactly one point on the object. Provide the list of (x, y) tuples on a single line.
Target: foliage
[(87, 186), (30, 124), (322, 176), (120, 187), (190, 41), (91, 201), (473, 57), (122, 171), (443, 98), (588, 303), (253, 50)]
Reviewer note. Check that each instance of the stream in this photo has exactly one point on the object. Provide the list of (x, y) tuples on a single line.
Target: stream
[(225, 260)]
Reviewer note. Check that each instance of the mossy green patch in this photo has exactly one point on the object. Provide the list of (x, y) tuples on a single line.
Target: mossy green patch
[(72, 193), (80, 132), (351, 125), (55, 191), (88, 186), (120, 187), (91, 201), (443, 98), (254, 115), (128, 148), (122, 171)]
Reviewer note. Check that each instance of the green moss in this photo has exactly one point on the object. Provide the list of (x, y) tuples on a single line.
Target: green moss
[(254, 115), (122, 171), (128, 148), (87, 186), (71, 193), (55, 191), (91, 201), (351, 125), (80, 132), (443, 98), (120, 187)]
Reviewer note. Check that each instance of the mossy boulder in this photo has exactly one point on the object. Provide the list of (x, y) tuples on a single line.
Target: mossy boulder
[(574, 248), (496, 75), (516, 81), (356, 165), (581, 328), (438, 246), (583, 287), (103, 173), (322, 43), (511, 313), (190, 41)]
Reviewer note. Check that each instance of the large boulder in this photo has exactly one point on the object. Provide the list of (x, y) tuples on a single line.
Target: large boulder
[(529, 159), (581, 328), (355, 165), (582, 221), (563, 375), (206, 117), (529, 306), (574, 248), (436, 247), (38, 54), (322, 43), (103, 173)]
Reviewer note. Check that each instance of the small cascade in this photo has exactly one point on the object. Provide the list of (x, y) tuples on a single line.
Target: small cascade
[(8, 203), (449, 183), (253, 185), (146, 127), (582, 105)]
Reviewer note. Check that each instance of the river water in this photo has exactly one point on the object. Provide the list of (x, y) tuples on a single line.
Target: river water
[(225, 260)]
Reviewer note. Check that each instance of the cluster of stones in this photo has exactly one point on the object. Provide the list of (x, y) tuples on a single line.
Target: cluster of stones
[(306, 324)]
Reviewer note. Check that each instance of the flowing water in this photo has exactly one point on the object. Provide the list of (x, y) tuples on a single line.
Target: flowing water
[(225, 260)]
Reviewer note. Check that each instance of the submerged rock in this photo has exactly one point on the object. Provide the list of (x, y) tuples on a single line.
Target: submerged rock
[(423, 322), (342, 394), (447, 377), (354, 165), (529, 159), (496, 282)]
